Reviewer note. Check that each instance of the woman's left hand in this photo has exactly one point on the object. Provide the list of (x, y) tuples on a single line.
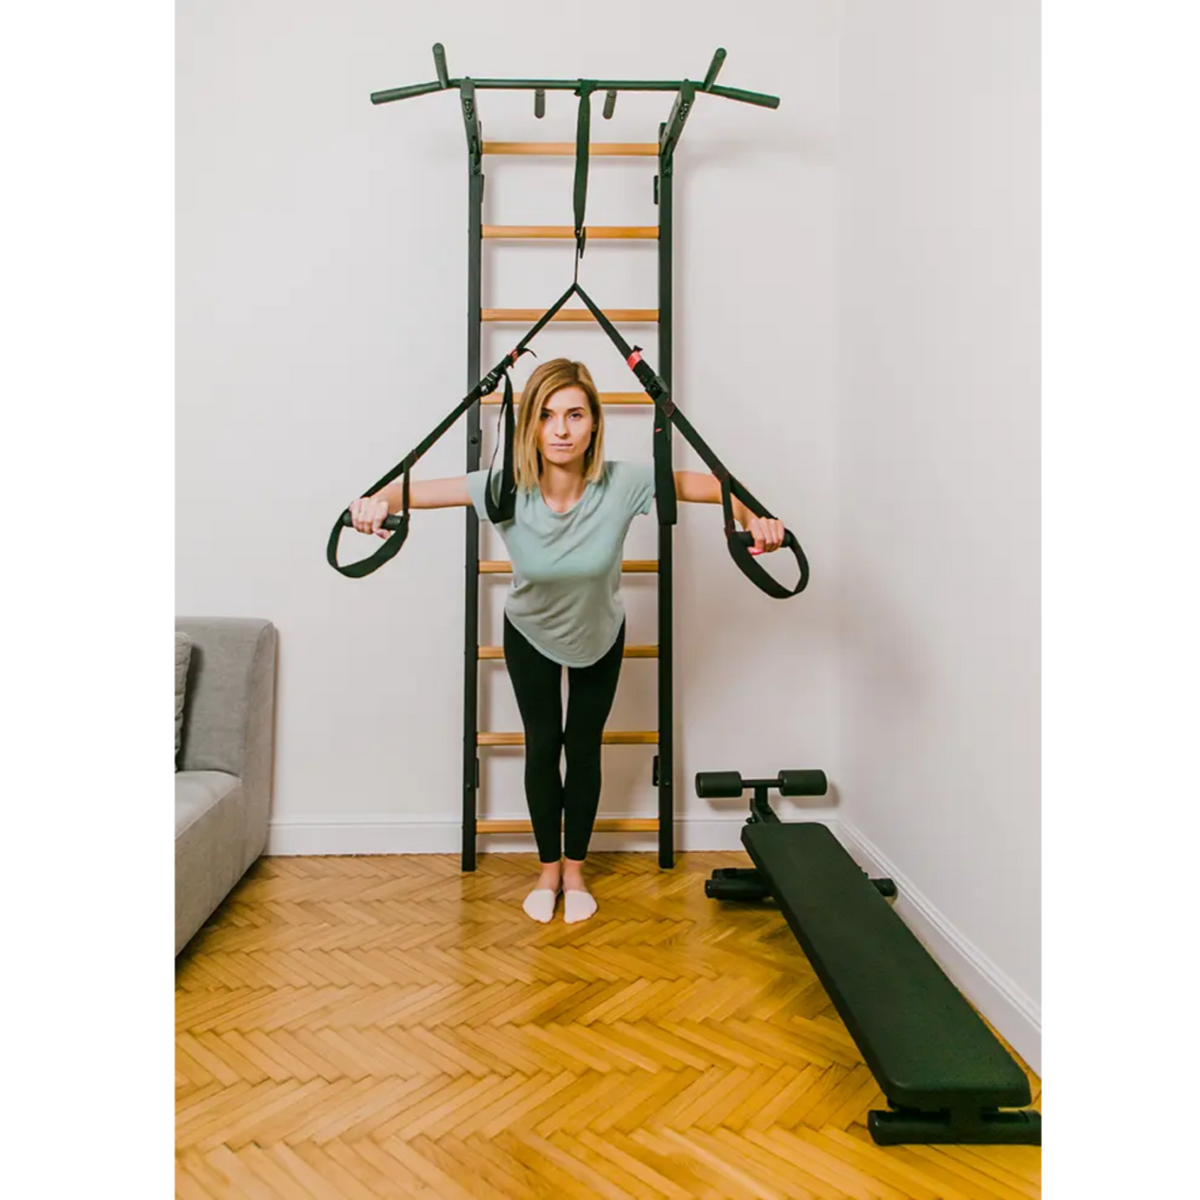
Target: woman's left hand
[(768, 534)]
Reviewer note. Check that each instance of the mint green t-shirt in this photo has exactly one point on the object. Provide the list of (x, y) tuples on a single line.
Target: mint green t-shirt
[(565, 598)]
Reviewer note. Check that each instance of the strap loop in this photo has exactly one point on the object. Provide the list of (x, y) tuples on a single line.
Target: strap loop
[(503, 508)]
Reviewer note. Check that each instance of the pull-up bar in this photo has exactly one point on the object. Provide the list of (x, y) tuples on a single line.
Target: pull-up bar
[(542, 86)]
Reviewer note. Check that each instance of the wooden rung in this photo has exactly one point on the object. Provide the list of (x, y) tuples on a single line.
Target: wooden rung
[(600, 149), (626, 316), (601, 825), (643, 737), (594, 232), (605, 398), (630, 566), (630, 651)]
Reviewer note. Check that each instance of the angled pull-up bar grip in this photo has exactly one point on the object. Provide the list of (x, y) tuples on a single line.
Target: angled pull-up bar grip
[(439, 62), (745, 97), (714, 68), (403, 93), (610, 104), (539, 103), (610, 86)]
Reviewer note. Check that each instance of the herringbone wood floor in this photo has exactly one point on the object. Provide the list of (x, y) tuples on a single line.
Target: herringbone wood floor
[(390, 1026)]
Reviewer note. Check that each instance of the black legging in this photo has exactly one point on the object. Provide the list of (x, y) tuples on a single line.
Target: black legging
[(537, 682)]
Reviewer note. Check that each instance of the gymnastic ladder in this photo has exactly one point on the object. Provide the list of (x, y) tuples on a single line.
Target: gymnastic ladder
[(477, 572)]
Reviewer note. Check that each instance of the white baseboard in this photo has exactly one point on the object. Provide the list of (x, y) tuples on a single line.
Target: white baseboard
[(1010, 1010), (370, 834)]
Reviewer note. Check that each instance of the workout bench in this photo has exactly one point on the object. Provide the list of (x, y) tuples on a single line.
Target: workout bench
[(945, 1074)]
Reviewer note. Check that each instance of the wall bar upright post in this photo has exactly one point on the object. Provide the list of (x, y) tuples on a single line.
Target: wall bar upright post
[(662, 447), (669, 134), (470, 763)]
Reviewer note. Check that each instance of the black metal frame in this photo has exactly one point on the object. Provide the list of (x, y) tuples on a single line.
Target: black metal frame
[(471, 772), (669, 134)]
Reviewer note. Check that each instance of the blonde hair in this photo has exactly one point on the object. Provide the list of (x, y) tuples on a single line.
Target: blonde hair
[(550, 377)]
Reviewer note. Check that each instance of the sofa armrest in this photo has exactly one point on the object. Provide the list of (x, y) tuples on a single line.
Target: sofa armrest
[(229, 706)]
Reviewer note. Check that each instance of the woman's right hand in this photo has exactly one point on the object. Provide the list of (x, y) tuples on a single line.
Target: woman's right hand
[(368, 515)]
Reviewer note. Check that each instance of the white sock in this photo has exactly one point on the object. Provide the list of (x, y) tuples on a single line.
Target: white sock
[(578, 906), (539, 904)]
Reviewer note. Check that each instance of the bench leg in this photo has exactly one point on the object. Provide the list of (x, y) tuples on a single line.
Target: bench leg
[(989, 1127)]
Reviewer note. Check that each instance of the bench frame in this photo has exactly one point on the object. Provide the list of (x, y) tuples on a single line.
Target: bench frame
[(966, 1124)]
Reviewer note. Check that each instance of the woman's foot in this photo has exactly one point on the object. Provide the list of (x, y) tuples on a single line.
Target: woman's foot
[(540, 903), (577, 905), (578, 902)]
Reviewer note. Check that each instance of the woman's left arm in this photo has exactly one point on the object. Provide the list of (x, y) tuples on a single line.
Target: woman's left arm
[(706, 489)]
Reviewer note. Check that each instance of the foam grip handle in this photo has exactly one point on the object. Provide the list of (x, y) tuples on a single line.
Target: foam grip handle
[(803, 783), (391, 521), (712, 785)]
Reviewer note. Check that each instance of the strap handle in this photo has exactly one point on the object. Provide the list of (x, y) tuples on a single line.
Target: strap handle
[(664, 484), (399, 522), (740, 542)]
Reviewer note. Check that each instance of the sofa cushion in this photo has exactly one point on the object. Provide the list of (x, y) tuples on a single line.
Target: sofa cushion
[(198, 791), (212, 845), (183, 657)]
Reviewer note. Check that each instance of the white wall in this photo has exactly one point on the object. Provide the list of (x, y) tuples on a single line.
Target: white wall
[(856, 335), (322, 272), (938, 429)]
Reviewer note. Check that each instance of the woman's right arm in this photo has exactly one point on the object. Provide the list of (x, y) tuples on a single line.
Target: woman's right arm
[(369, 511)]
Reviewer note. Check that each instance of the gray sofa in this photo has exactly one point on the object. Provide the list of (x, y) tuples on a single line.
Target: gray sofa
[(224, 767)]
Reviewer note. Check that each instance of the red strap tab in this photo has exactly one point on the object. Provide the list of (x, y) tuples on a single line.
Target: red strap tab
[(634, 359)]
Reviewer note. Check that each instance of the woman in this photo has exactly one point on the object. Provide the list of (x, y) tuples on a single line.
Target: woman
[(564, 608)]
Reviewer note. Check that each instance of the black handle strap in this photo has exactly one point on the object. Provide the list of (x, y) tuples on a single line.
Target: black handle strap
[(664, 482), (399, 522), (741, 543), (503, 509), (583, 135)]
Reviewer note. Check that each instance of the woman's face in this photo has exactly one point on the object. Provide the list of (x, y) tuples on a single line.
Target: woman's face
[(565, 427)]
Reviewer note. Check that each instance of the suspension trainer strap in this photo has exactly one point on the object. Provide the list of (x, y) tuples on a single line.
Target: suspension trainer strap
[(739, 543), (497, 511), (505, 508), (583, 134)]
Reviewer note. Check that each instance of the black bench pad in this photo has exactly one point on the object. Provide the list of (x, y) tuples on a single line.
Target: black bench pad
[(925, 1045)]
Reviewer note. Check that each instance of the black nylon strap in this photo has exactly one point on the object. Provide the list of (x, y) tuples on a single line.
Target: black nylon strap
[(664, 481), (399, 523), (583, 134), (505, 508), (739, 544), (500, 510)]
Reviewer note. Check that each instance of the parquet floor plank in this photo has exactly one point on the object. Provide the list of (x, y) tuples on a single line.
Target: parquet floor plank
[(389, 1026)]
